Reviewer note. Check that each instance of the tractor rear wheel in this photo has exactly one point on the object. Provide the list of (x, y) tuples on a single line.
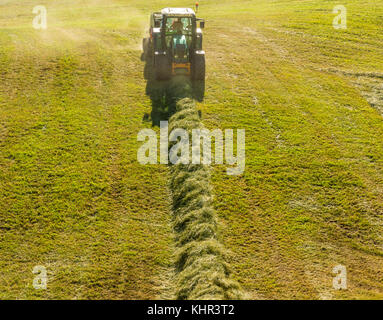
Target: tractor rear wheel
[(145, 49), (198, 67), (162, 67)]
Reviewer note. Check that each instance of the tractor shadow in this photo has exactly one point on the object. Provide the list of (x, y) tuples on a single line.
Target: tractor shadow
[(165, 94)]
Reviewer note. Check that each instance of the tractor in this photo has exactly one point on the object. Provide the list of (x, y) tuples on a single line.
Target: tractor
[(175, 44)]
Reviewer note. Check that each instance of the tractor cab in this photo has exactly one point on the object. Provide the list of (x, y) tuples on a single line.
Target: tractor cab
[(176, 40)]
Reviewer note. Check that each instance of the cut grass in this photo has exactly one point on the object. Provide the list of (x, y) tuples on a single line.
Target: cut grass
[(201, 267)]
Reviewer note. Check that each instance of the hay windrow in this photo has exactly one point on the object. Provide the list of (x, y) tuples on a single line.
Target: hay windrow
[(201, 268)]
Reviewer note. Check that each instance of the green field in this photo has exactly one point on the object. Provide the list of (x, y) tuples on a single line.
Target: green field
[(74, 198)]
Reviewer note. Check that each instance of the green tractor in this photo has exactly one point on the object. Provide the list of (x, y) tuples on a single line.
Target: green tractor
[(175, 44)]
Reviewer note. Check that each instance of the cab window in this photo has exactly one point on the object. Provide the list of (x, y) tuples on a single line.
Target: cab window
[(178, 25)]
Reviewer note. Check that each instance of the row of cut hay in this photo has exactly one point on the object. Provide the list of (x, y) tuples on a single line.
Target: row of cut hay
[(201, 268)]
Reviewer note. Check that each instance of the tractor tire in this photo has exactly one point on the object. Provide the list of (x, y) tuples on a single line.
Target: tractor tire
[(198, 67), (145, 49), (162, 68)]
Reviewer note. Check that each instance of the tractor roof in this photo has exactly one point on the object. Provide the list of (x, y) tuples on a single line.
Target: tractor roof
[(178, 11)]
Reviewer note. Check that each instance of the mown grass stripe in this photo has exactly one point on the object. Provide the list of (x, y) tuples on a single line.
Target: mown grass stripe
[(201, 268)]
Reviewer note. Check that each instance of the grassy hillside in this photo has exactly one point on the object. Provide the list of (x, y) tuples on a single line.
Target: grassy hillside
[(74, 198), (311, 195)]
